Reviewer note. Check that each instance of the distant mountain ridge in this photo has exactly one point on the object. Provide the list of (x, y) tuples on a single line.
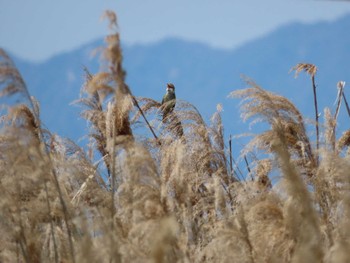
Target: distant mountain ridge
[(203, 75)]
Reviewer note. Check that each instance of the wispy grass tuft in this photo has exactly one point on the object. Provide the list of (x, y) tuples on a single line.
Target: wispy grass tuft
[(148, 190)]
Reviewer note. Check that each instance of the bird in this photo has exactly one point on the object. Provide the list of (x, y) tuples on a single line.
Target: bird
[(169, 100)]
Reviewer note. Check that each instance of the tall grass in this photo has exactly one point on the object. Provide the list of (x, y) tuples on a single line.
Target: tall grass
[(173, 196)]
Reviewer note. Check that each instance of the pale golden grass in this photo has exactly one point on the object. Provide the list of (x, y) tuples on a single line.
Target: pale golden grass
[(308, 68), (169, 197)]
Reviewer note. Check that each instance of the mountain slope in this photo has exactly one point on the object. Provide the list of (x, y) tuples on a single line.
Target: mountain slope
[(202, 75)]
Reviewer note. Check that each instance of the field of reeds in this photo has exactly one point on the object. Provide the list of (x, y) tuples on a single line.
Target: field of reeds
[(176, 195)]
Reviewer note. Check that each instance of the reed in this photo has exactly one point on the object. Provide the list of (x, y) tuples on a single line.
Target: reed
[(177, 195)]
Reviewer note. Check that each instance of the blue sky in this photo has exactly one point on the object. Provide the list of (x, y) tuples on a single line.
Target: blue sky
[(38, 29)]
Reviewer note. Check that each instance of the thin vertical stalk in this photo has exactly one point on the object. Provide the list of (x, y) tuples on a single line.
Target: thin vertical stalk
[(235, 175), (239, 174), (316, 118), (340, 94), (230, 146), (346, 103)]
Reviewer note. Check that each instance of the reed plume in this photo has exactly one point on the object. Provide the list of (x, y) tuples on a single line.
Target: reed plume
[(148, 190)]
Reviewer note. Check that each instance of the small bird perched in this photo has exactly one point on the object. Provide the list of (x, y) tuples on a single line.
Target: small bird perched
[(169, 100)]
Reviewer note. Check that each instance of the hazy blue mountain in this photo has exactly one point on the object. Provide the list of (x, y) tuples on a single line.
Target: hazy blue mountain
[(202, 75)]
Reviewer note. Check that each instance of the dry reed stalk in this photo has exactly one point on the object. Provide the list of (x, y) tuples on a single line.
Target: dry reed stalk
[(311, 70), (144, 117), (341, 85), (231, 158)]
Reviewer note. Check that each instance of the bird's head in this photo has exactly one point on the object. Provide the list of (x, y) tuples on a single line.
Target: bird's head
[(170, 87)]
